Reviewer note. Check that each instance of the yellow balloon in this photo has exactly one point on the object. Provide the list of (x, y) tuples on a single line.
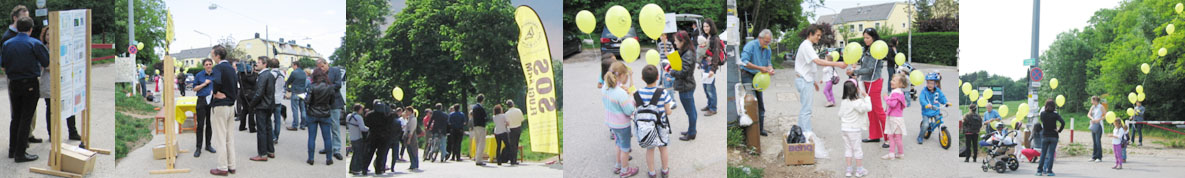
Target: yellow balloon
[(852, 53), (630, 49), (1053, 83), (966, 88), (1022, 110), (916, 77), (1170, 29), (652, 20), (974, 95), (899, 59), (397, 93), (140, 46), (633, 89), (1179, 7), (761, 81), (1140, 97), (1003, 111), (834, 56), (988, 93), (1110, 117), (618, 20), (982, 102), (1131, 97), (879, 49), (1145, 68), (676, 61), (1163, 52), (586, 21), (1139, 89), (652, 57), (1061, 100), (1131, 112)]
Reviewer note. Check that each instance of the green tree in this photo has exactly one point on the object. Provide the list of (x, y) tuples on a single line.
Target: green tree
[(150, 27)]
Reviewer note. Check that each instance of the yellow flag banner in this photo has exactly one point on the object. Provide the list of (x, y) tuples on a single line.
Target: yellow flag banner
[(536, 63)]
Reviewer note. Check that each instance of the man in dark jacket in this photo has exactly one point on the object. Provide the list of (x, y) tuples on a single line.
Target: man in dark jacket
[(297, 84), (439, 125), (456, 124), (246, 114), (480, 118), (971, 125), (23, 59), (379, 122), (263, 102), (222, 110), (10, 32)]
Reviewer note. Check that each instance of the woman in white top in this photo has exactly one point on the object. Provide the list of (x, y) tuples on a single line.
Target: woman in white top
[(500, 133)]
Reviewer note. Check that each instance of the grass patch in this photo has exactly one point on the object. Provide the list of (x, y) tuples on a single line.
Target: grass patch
[(1172, 143), (736, 137), (130, 133), (1074, 149), (133, 103), (745, 172)]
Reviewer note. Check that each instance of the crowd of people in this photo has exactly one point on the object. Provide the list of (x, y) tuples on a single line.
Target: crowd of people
[(24, 59), (383, 129)]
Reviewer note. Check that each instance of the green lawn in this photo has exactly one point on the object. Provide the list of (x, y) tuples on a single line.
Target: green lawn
[(131, 132), (134, 103)]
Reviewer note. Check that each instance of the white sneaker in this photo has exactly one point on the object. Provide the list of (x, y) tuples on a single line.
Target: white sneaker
[(889, 156), (861, 172), (848, 173)]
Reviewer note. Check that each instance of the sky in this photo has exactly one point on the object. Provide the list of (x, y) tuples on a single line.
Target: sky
[(316, 22), (1000, 38)]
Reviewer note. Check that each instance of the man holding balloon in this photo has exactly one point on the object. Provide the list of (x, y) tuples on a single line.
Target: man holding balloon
[(755, 58), (806, 64)]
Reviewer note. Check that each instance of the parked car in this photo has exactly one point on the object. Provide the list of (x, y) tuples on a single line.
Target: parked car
[(572, 44), (612, 44)]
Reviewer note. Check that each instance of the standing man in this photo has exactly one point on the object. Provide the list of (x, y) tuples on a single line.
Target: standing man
[(456, 124), (12, 31), (263, 102), (335, 110), (514, 120), (202, 82), (480, 118), (411, 129), (23, 60), (222, 108), (247, 80), (755, 59), (806, 64), (298, 85), (278, 95), (439, 125)]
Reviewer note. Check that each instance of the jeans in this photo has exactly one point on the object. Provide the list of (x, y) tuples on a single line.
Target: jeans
[(710, 93), (335, 116), (806, 98), (22, 97), (1096, 135), (1048, 153), (203, 124), (298, 111), (413, 153), (623, 138), (748, 78), (442, 144), (362, 156), (688, 100), (1137, 129), (264, 138), (276, 123), (323, 124)]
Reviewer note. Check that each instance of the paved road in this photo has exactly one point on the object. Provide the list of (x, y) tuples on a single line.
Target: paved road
[(1150, 160), (590, 153), (289, 162), (102, 135), (466, 168), (925, 160)]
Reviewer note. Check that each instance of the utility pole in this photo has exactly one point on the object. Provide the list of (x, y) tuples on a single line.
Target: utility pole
[(132, 25)]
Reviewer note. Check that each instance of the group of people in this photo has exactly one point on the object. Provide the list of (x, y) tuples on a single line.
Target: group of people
[(252, 97), (862, 95), (25, 61), (382, 129), (644, 111)]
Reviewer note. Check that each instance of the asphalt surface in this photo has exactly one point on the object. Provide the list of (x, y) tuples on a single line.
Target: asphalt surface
[(589, 151)]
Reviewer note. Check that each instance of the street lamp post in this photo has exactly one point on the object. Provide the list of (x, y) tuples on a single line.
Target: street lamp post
[(209, 41)]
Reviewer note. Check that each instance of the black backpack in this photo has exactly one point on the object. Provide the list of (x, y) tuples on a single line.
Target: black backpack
[(796, 135), (652, 126)]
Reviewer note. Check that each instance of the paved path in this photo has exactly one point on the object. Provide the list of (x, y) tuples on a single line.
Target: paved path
[(289, 162), (925, 160), (1150, 160), (466, 168), (102, 135), (590, 153)]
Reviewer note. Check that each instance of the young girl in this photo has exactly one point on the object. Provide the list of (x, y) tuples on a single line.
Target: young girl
[(895, 125), (619, 104), (832, 78), (851, 111), (1117, 143)]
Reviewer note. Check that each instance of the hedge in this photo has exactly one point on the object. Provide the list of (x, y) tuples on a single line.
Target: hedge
[(929, 47)]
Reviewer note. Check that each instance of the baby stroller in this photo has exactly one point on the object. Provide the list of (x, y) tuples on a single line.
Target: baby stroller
[(1001, 146)]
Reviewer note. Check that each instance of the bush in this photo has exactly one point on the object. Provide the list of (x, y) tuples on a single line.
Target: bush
[(940, 24), (194, 70), (745, 172), (929, 47)]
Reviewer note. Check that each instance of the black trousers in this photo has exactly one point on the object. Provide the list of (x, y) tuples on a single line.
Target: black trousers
[(246, 117), (515, 134), (501, 146), (970, 141), (381, 147), (362, 156), (69, 122), (454, 143), (22, 97), (181, 86), (204, 130), (263, 138)]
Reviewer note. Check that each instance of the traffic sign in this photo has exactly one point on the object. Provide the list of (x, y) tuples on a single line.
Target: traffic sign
[(132, 49), (1035, 74), (1030, 62)]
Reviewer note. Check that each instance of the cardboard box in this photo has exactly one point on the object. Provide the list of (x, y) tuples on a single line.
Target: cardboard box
[(799, 153), (158, 151), (77, 160)]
